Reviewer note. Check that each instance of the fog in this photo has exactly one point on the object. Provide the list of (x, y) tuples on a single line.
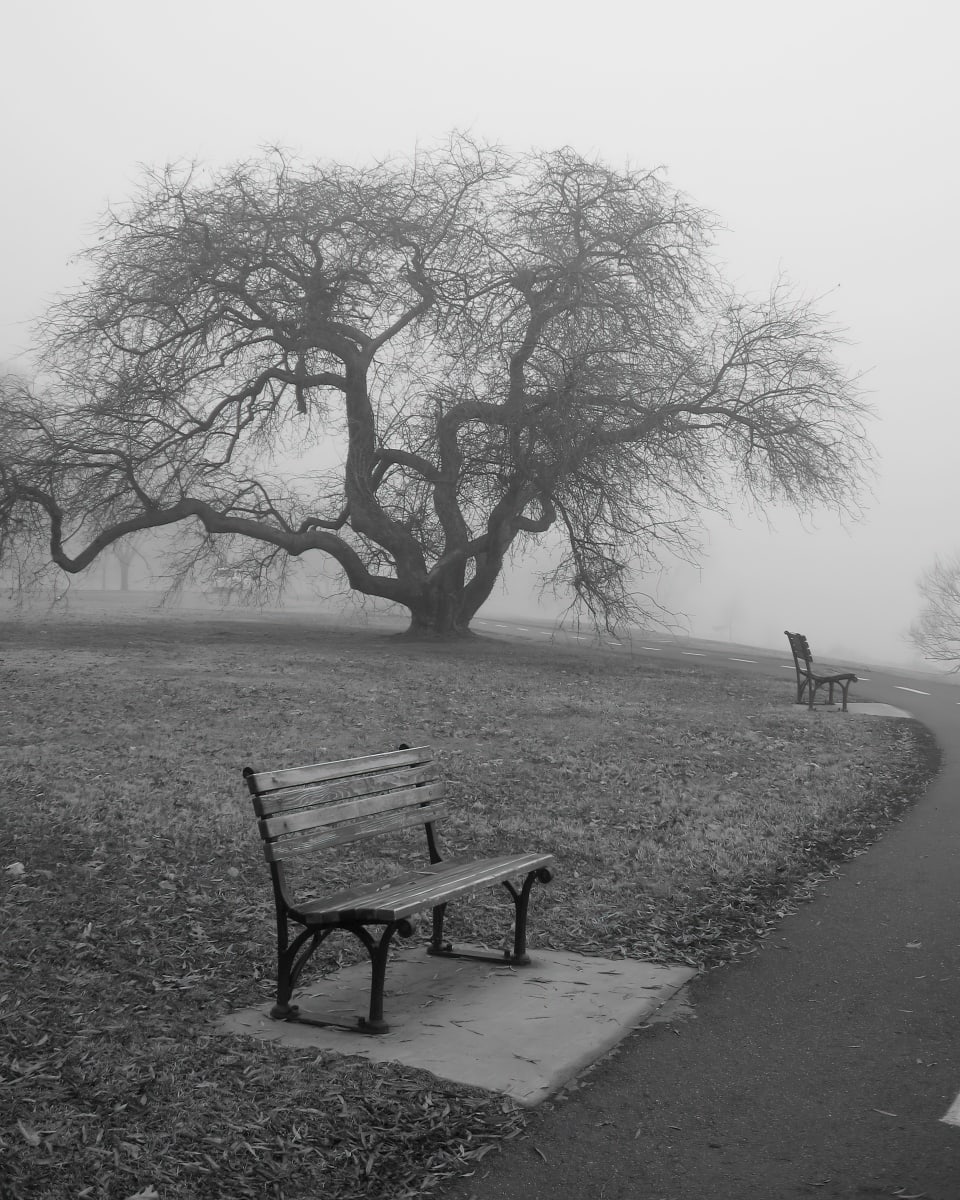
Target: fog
[(823, 136)]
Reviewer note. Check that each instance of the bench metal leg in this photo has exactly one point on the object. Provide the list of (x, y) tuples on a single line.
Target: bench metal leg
[(521, 900), (379, 951), (518, 957), (291, 959), (844, 686), (437, 944)]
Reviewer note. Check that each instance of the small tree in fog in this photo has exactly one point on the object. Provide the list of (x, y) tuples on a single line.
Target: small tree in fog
[(936, 633), (417, 369), (125, 551)]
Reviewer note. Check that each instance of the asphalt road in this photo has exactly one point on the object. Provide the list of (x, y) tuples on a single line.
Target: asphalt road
[(821, 1066)]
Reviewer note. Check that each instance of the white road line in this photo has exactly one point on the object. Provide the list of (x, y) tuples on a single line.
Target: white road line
[(732, 659), (521, 629), (863, 679), (916, 691), (952, 1115), (621, 643), (694, 653), (649, 647), (787, 666)]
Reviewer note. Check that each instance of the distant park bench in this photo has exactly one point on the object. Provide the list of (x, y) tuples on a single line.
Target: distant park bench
[(808, 680), (306, 810)]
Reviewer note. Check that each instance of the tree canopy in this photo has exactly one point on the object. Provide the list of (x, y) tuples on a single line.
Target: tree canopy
[(416, 368), (936, 632)]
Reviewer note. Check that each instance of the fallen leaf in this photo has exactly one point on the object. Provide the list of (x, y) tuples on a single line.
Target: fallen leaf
[(30, 1136)]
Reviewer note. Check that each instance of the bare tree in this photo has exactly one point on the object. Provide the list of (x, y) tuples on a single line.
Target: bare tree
[(936, 633), (125, 551), (417, 369)]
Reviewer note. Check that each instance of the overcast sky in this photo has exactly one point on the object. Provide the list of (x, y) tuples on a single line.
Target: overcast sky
[(823, 135)]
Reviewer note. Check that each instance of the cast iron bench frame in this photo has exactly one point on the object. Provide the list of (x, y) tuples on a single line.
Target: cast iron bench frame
[(324, 805), (807, 679)]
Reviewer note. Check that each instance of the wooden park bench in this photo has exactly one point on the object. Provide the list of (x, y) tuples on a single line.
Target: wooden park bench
[(808, 680), (307, 810)]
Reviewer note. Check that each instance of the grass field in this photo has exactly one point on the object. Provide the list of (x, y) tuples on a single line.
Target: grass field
[(688, 812)]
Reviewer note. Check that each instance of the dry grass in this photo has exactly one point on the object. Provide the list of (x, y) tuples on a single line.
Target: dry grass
[(687, 811)]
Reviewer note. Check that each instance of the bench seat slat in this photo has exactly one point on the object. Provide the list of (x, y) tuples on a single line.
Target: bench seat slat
[(269, 781), (356, 831), (349, 810), (413, 891), (289, 799)]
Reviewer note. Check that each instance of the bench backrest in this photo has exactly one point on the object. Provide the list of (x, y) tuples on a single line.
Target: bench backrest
[(310, 808), (801, 649)]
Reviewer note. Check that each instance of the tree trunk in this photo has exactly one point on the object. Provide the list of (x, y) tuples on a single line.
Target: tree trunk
[(441, 613)]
